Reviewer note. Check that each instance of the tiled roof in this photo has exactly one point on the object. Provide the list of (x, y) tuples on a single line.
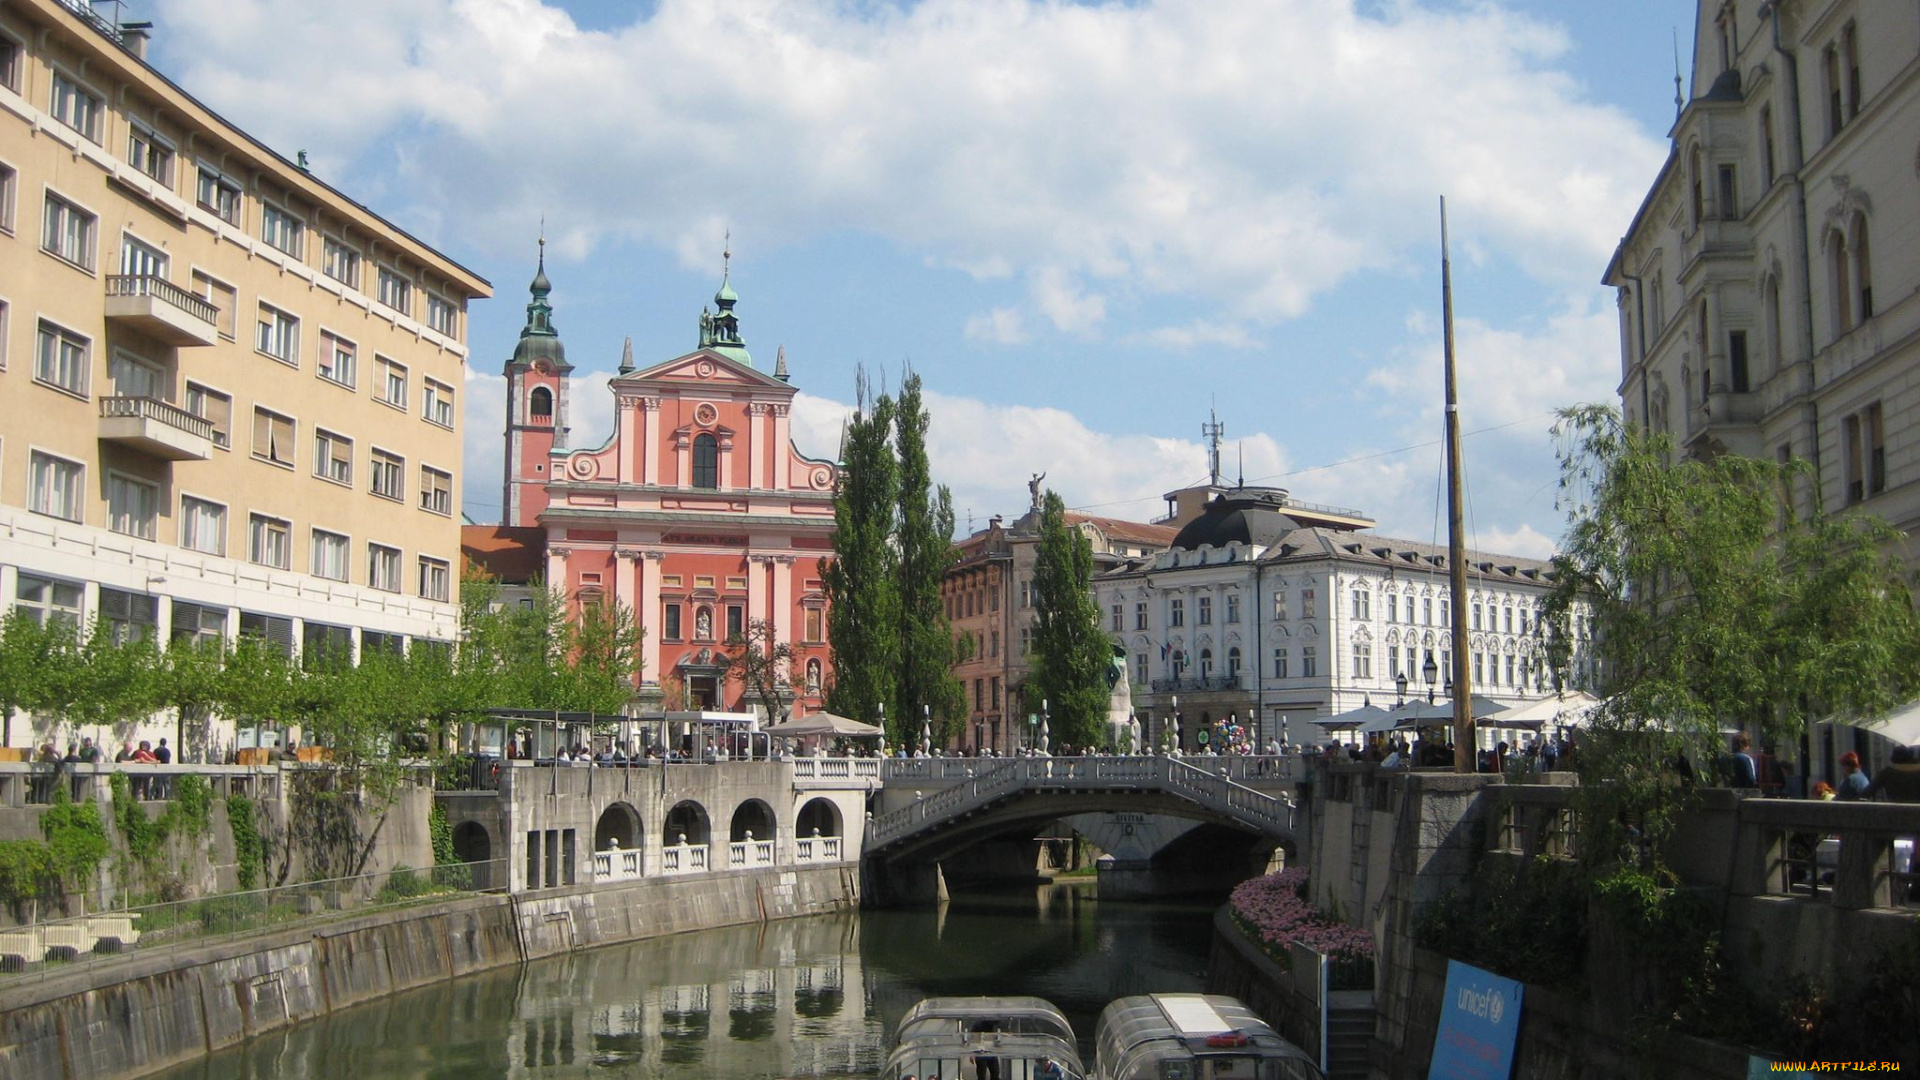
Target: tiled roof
[(512, 556)]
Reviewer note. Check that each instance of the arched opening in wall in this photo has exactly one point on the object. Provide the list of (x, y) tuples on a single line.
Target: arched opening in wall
[(1706, 362), (1697, 187), (1840, 282), (687, 824), (752, 820), (706, 462), (540, 405), (1206, 663), (618, 829), (1862, 266), (819, 817), (813, 676), (1233, 662), (1771, 312), (472, 845)]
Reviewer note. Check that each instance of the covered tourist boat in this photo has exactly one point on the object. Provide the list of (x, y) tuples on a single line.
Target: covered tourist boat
[(1193, 1037), (1011, 1038)]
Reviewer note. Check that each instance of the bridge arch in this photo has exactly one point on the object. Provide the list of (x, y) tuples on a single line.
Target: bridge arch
[(752, 819), (819, 817), (687, 823), (619, 826)]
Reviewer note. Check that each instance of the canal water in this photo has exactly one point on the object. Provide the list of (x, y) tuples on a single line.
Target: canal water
[(805, 997)]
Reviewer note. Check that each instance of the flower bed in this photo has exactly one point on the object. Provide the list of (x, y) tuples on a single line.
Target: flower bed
[(1273, 911)]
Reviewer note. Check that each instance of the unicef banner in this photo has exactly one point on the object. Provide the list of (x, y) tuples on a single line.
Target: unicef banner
[(1479, 1020)]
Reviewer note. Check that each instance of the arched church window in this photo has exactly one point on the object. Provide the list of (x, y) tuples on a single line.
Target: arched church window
[(706, 462), (540, 404)]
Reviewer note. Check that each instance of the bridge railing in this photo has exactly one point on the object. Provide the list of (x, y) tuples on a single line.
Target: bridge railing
[(742, 854), (811, 849), (837, 772), (684, 859), (616, 865)]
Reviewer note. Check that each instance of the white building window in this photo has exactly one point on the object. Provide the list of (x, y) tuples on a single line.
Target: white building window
[(203, 526), (280, 229), (395, 291), (139, 259), (329, 557), (269, 541), (56, 486), (214, 407), (76, 106), (9, 190), (69, 233), (46, 600), (272, 437), (393, 383), (332, 456), (150, 153), (63, 359), (442, 316), (436, 490), (225, 299), (1362, 604), (1308, 606), (436, 579), (1363, 660), (340, 262), (132, 506), (1280, 663), (10, 64), (336, 361), (217, 194), (1176, 611), (278, 334), (1309, 663), (436, 403), (383, 567), (389, 475)]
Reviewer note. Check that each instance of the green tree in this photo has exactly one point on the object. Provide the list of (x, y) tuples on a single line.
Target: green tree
[(600, 658), (863, 596), (924, 544), (1711, 605), (190, 681), (27, 667), (763, 665), (1070, 653)]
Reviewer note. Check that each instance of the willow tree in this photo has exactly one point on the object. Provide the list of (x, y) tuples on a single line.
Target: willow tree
[(863, 596), (1713, 605), (928, 649), (1070, 652)]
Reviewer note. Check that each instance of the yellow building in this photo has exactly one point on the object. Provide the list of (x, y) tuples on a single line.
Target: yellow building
[(228, 393)]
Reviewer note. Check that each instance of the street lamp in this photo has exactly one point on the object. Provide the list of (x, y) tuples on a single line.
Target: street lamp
[(1400, 685), (1432, 671)]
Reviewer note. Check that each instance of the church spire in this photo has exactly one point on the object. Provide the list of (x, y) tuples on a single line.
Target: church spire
[(626, 356), (720, 328), (780, 364), (539, 338)]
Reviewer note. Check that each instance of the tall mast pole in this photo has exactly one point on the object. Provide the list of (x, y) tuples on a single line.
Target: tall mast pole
[(1463, 741)]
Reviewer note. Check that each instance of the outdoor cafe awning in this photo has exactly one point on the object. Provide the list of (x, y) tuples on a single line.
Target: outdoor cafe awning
[(824, 724), (1567, 710)]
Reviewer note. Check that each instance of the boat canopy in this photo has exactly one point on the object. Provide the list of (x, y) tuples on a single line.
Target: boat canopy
[(1026, 1037), (1193, 1037)]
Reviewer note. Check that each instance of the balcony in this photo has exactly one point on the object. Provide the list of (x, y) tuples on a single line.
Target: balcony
[(162, 310), (1203, 685), (155, 427)]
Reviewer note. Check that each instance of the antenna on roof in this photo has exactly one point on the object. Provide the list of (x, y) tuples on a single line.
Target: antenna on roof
[(1211, 431), (1241, 449)]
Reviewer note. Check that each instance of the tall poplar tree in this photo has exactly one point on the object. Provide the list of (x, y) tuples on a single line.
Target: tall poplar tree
[(1070, 653), (863, 612), (925, 547)]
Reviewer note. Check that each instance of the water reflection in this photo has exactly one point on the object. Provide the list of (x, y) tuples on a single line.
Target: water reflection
[(812, 997)]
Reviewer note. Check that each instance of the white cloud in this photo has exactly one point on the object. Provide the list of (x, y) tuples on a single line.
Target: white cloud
[(1001, 326), (1195, 334), (1110, 151), (1521, 541)]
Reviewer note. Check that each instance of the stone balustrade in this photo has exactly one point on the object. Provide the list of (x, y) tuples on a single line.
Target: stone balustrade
[(25, 784)]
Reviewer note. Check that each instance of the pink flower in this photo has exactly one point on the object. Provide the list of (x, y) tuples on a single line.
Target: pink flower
[(1271, 910)]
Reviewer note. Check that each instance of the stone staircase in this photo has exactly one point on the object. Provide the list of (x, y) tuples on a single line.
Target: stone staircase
[(1349, 1033)]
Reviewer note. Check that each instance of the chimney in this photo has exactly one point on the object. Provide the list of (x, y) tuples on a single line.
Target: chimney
[(134, 37)]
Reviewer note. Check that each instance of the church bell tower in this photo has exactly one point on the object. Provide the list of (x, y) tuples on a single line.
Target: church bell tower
[(536, 406)]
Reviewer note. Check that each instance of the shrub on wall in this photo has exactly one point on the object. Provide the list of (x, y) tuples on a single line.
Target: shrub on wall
[(249, 850), (1273, 911)]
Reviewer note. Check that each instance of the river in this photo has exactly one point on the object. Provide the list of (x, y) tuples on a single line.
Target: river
[(804, 997)]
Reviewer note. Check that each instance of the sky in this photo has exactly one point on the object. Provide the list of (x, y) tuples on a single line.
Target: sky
[(1085, 225)]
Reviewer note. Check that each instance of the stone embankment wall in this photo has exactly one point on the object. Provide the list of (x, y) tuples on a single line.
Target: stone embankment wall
[(1238, 968), (155, 1010)]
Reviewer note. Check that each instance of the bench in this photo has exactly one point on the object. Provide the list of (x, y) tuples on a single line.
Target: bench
[(115, 931), (19, 948), (71, 936)]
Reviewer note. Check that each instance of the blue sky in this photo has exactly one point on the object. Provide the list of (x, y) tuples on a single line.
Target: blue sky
[(1083, 224)]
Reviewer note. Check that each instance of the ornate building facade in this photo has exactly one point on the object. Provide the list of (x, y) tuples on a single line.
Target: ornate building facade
[(697, 512)]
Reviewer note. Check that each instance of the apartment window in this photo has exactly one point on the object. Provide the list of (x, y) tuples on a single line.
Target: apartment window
[(280, 229), (56, 486), (1866, 454), (272, 630), (215, 408), (436, 579), (1426, 610), (150, 153), (1729, 194), (1309, 663), (389, 472), (9, 188), (1506, 620), (332, 456), (1204, 610), (6, 325), (436, 490), (1280, 663), (10, 64), (736, 621), (278, 334), (393, 383), (139, 259), (129, 616), (69, 232), (1140, 615), (1280, 605), (436, 403), (269, 541), (1512, 679), (336, 361), (217, 195), (383, 567), (195, 623), (1479, 667), (329, 557), (1446, 612), (706, 462), (1362, 605), (1862, 267), (1026, 593), (1836, 105), (1176, 611), (672, 631), (76, 106), (1118, 616), (225, 299), (1233, 607), (203, 526), (1476, 616), (46, 600), (1393, 661), (1308, 606), (442, 316), (1737, 361), (1362, 660), (132, 506), (395, 291), (1767, 166), (340, 262), (1026, 640), (272, 437), (1850, 58), (373, 643), (63, 358)]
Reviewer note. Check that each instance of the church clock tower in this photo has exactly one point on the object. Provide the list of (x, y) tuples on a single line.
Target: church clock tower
[(536, 406)]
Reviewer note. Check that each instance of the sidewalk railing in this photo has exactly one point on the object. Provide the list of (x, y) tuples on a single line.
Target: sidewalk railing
[(742, 854), (49, 947), (683, 859), (25, 783)]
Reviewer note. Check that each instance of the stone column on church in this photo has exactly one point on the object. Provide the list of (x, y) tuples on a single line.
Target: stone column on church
[(648, 446), (626, 580), (757, 591), (781, 448), (757, 445), (557, 567), (783, 597), (647, 566), (628, 415)]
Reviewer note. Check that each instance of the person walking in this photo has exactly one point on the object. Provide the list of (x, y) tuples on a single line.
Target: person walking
[(1853, 779)]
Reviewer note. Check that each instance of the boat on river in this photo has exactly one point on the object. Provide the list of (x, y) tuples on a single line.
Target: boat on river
[(1193, 1037), (1005, 1038)]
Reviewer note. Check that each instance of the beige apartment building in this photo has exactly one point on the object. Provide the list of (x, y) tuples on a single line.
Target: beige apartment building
[(229, 394)]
